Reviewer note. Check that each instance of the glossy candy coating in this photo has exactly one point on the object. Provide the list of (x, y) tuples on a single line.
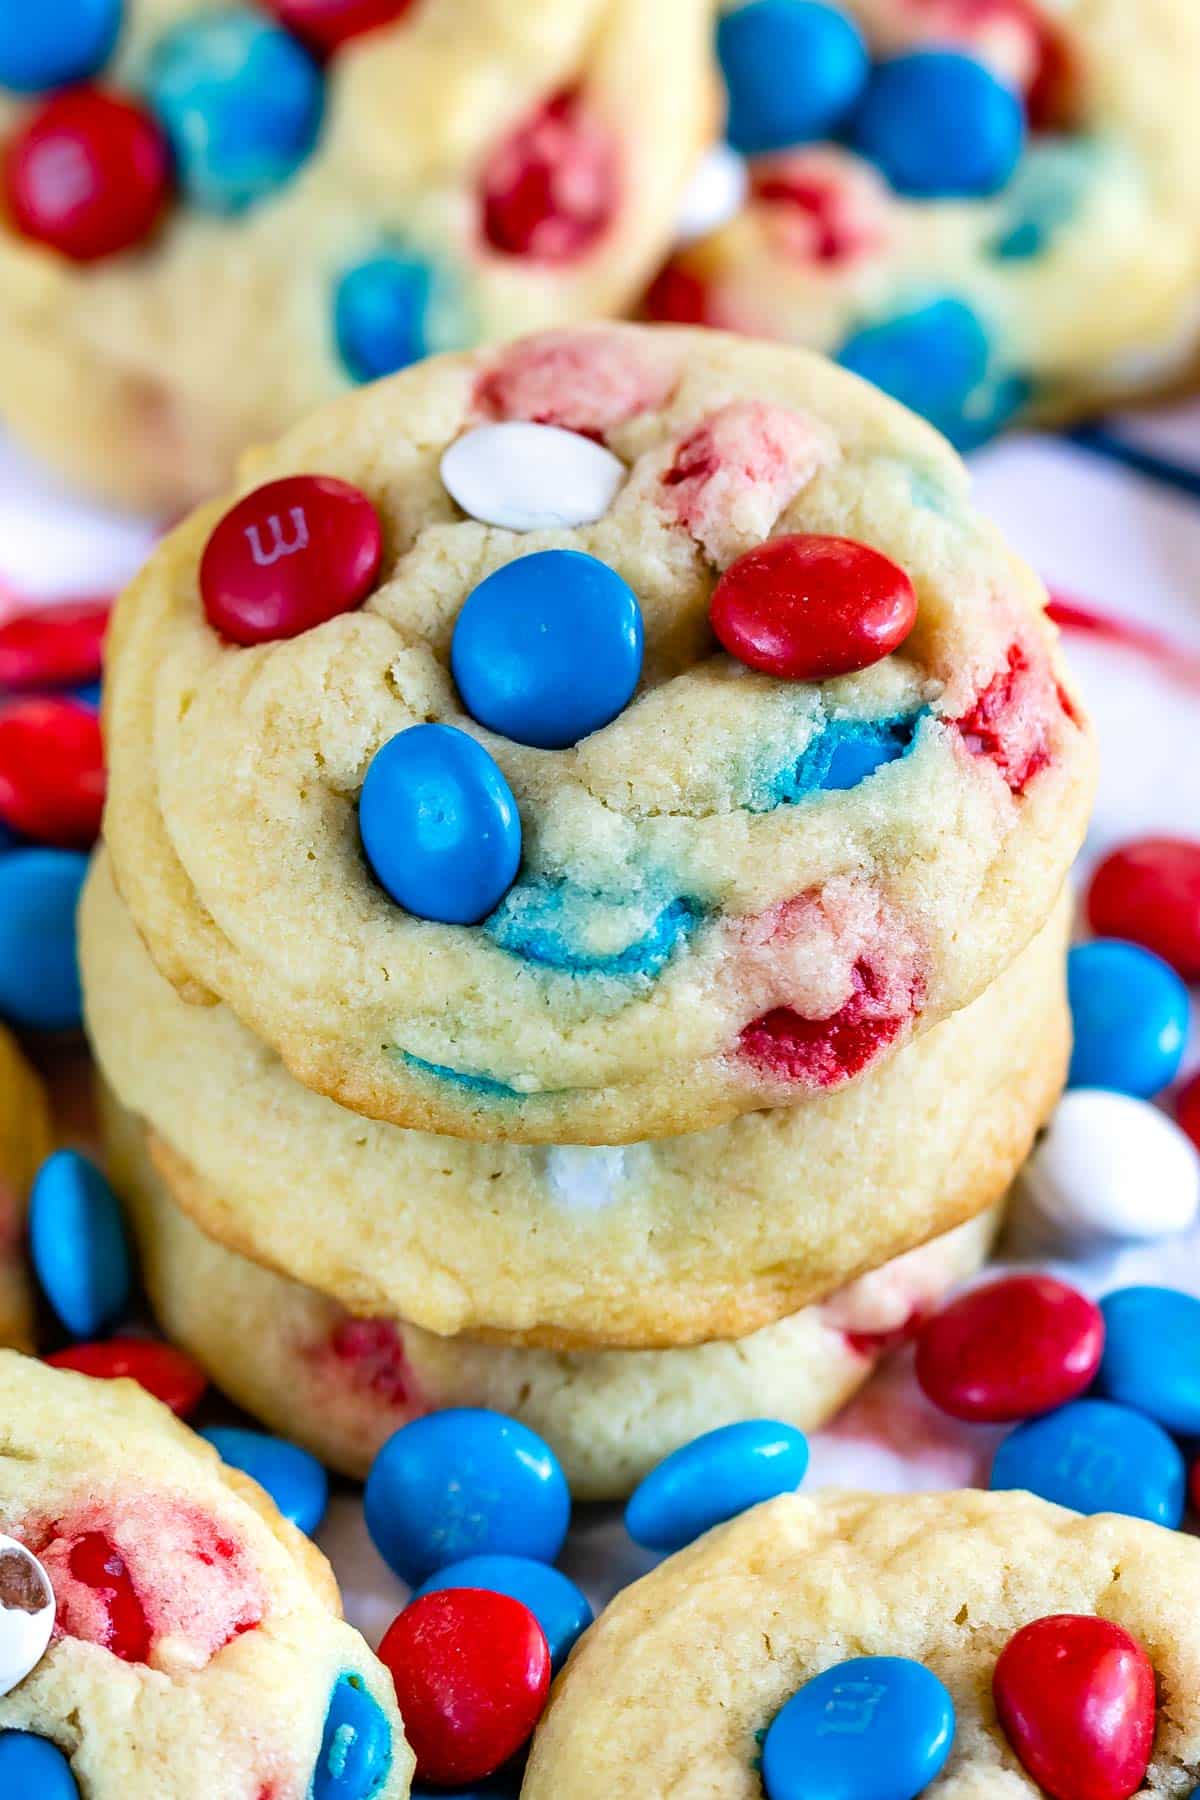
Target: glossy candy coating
[(39, 970), (548, 648), (793, 70), (465, 1482), (472, 1672), (560, 1608), (807, 608), (871, 1728), (294, 1479), (51, 770), (1095, 1457), (1148, 892), (32, 1765), (26, 1613), (1152, 1355), (439, 825), (325, 25), (1075, 1697), (1012, 1348), (289, 556), (940, 125), (88, 175), (1130, 1013), (383, 312), (527, 477), (714, 1478), (53, 646), (78, 1244), (356, 1745), (55, 43), (935, 358), (164, 1371)]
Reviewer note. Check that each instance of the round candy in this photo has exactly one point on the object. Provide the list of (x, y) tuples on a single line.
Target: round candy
[(465, 1482), (77, 1241), (1014, 1347), (1149, 892), (39, 970), (940, 126), (55, 43), (1130, 1013), (472, 1672), (793, 70), (51, 771), (1075, 1697), (550, 189), (240, 100), (33, 1765), (26, 1614), (356, 1745), (295, 1480), (167, 1373), (325, 25), (439, 825), (88, 175), (527, 477), (1152, 1355), (936, 359), (562, 1611), (713, 1479), (715, 194), (873, 1728), (53, 646), (387, 314), (1095, 1457), (807, 608), (288, 557), (548, 648)]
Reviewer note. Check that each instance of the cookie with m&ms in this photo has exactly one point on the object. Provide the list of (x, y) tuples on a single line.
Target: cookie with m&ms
[(178, 1596), (24, 1141), (216, 216), (985, 206), (594, 799)]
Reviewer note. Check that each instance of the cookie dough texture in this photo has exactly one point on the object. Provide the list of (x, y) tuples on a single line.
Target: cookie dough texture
[(24, 1143)]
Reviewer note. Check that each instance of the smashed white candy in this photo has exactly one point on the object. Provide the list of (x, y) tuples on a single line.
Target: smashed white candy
[(715, 194), (531, 477), (1109, 1169), (26, 1612)]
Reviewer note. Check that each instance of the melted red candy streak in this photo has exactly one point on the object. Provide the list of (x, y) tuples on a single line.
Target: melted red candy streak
[(586, 380), (1010, 720), (88, 175), (679, 297), (97, 1564), (372, 1351), (838, 227), (550, 190), (821, 1053), (882, 1343)]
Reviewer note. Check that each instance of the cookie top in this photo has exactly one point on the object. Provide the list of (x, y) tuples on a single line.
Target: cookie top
[(988, 208), (24, 1141), (738, 1621), (183, 1599)]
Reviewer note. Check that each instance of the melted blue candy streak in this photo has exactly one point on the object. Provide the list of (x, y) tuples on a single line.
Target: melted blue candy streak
[(846, 753), (478, 1084), (534, 923)]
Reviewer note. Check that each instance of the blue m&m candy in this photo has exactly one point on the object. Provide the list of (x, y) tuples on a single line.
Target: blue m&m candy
[(77, 1241), (240, 101), (548, 648), (936, 359), (55, 43), (873, 1728), (714, 1478), (1151, 1355), (439, 825), (39, 969), (560, 1608), (356, 1745), (793, 70), (940, 126), (32, 1765), (1130, 1013), (295, 1480), (390, 310), (1096, 1457), (465, 1482)]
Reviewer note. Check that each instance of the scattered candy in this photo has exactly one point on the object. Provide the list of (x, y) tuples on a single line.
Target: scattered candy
[(288, 557), (940, 126), (935, 359), (51, 771), (78, 1243), (167, 1373), (472, 1672), (33, 1765), (1152, 1355), (295, 1480), (39, 970), (1075, 1697), (88, 175), (550, 190), (325, 25), (526, 477), (53, 646), (439, 825), (356, 1745), (1095, 1457), (872, 1728), (1130, 1014), (56, 43), (26, 1614), (562, 1611), (465, 1482), (713, 1479), (1149, 893), (1017, 1346), (793, 70), (388, 312), (809, 608), (715, 194)]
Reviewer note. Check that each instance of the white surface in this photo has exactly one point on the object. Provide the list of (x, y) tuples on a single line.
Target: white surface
[(528, 477), (715, 194), (24, 1635)]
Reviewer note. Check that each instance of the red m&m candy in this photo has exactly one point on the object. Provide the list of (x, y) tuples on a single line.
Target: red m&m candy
[(472, 1671), (89, 175), (1149, 892), (327, 24), (808, 608), (51, 771), (290, 556), (1018, 1346), (1187, 1109), (161, 1369), (550, 190), (53, 646), (1075, 1697)]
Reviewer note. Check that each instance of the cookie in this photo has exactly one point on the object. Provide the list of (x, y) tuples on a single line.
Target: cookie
[(676, 1241), (800, 839), (186, 1605), (24, 1141), (342, 1385), (987, 208), (736, 1623), (236, 211)]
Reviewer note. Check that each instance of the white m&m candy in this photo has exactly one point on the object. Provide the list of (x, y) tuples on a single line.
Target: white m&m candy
[(26, 1612), (528, 477)]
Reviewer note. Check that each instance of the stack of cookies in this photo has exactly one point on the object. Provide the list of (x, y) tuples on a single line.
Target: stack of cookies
[(580, 926)]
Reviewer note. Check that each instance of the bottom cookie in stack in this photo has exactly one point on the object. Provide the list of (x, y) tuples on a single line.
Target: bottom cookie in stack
[(24, 1142)]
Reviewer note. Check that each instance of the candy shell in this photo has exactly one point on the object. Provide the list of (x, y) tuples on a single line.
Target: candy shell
[(940, 126), (167, 1373), (390, 310), (39, 971), (872, 1728), (1075, 1697), (562, 1611), (356, 1745), (1094, 1457), (1009, 1349), (87, 175), (33, 1766), (1149, 893), (715, 194), (325, 25), (1152, 1355), (295, 1480), (714, 1478), (26, 1613), (526, 477), (793, 70), (936, 359), (77, 1241), (51, 771), (53, 646), (55, 43), (1130, 1013)]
